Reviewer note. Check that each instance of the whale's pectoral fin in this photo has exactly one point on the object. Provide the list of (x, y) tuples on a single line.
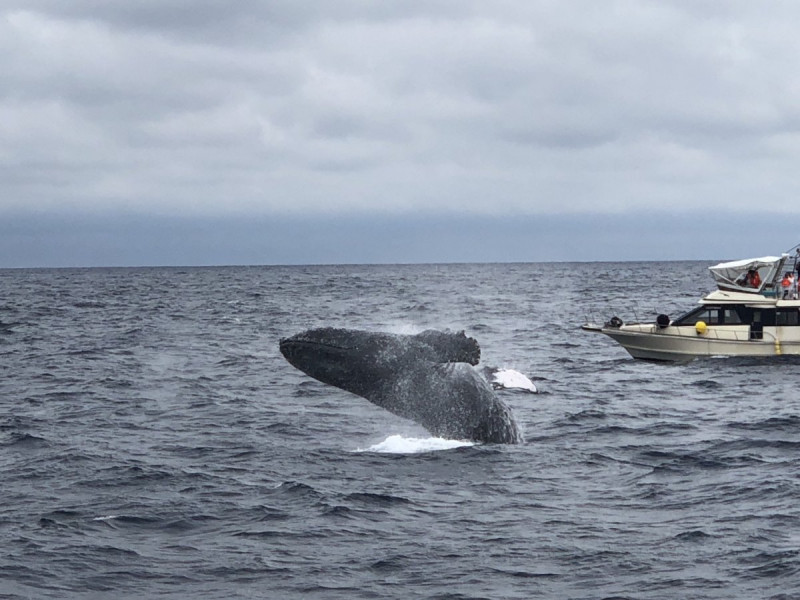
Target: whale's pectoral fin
[(509, 379)]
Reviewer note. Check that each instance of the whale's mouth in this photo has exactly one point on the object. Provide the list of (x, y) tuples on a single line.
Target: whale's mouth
[(340, 339), (302, 341), (322, 358), (300, 345), (299, 349), (342, 365)]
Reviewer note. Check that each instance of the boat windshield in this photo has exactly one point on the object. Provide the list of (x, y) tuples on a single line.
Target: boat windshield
[(750, 275)]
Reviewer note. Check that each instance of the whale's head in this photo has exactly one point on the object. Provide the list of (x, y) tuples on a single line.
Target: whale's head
[(352, 360), (362, 362)]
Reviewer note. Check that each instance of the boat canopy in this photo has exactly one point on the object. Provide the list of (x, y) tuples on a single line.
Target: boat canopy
[(734, 275)]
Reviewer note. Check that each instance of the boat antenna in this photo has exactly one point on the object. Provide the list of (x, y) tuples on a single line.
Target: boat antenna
[(792, 248)]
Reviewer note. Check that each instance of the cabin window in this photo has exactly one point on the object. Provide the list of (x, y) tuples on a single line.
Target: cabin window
[(718, 315), (730, 316), (709, 314), (789, 316), (760, 316)]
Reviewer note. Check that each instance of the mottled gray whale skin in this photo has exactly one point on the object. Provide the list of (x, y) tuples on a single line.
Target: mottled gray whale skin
[(428, 377)]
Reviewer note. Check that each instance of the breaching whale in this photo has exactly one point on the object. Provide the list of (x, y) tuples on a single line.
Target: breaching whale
[(428, 377)]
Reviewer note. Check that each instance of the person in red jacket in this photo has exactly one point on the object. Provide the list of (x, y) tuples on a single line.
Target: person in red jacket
[(787, 283)]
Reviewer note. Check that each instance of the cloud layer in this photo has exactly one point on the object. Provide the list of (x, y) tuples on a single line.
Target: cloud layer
[(355, 107)]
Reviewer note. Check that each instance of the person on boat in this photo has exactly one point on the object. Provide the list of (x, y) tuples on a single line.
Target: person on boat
[(797, 268), (787, 283), (753, 278)]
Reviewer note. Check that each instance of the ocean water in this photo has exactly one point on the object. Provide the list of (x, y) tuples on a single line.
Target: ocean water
[(155, 444)]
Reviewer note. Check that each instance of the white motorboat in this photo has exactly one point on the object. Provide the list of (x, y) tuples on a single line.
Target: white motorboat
[(754, 311)]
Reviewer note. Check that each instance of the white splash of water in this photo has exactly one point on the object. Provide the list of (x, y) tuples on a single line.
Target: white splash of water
[(397, 444), (403, 328)]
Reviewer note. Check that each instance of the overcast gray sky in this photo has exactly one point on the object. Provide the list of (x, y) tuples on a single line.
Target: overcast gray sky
[(219, 132)]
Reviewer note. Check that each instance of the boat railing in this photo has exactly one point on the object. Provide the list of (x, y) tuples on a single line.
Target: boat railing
[(739, 335)]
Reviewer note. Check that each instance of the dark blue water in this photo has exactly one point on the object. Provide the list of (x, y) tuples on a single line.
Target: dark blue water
[(155, 444)]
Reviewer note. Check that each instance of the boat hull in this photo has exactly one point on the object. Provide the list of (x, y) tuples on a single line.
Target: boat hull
[(679, 344)]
